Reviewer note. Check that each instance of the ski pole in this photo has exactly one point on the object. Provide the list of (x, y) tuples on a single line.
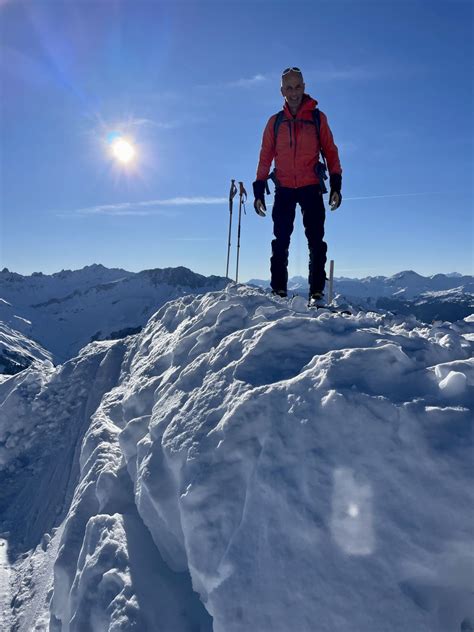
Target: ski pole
[(232, 194), (331, 281), (242, 198)]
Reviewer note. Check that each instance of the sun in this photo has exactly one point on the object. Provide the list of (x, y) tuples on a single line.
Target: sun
[(123, 150)]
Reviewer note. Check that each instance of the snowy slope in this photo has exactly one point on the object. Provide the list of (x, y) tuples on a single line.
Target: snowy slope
[(451, 305), (244, 458), (67, 310), (17, 351)]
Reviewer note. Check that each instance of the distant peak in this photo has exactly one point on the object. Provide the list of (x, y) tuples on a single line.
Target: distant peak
[(407, 273), (94, 266)]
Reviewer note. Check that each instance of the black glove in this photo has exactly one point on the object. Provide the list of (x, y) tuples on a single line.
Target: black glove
[(259, 194), (335, 195)]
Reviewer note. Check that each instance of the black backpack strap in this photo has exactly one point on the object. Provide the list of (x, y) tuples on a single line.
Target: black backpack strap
[(320, 167), (317, 121), (279, 116), (277, 122), (317, 124)]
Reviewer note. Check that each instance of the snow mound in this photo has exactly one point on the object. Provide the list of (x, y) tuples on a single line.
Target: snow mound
[(250, 460)]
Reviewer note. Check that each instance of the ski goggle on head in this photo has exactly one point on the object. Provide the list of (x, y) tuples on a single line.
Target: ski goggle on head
[(292, 69)]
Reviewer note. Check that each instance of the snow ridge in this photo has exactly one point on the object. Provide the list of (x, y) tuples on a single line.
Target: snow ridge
[(250, 460), (17, 351)]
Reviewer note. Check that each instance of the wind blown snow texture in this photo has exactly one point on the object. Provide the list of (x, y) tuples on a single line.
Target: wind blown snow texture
[(245, 459)]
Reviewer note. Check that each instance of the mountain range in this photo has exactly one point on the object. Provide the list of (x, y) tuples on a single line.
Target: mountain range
[(54, 316), (403, 285), (64, 311), (437, 297)]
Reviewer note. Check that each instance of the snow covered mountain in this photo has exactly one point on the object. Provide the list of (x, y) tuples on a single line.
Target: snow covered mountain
[(65, 311), (404, 285), (17, 351), (439, 297), (449, 305), (243, 464)]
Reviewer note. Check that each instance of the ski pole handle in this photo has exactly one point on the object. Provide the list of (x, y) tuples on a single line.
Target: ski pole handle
[(233, 190)]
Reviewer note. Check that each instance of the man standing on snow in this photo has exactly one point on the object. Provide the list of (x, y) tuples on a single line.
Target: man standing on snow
[(292, 139)]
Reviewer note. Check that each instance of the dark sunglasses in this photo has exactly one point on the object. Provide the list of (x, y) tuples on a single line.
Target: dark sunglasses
[(292, 69)]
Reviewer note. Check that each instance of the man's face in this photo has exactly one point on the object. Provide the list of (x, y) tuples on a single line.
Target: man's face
[(292, 89)]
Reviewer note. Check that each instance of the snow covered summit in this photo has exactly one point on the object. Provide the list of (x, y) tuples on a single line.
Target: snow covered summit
[(244, 464)]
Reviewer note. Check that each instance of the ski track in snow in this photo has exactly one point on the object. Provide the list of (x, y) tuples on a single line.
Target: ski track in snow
[(279, 465)]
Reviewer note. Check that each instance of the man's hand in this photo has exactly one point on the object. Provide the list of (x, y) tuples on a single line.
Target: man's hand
[(335, 196), (260, 208), (259, 194)]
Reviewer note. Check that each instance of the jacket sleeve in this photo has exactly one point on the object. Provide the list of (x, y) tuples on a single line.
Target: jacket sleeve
[(267, 151), (329, 147)]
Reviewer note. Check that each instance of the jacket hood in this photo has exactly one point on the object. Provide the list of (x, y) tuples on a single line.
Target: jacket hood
[(307, 104)]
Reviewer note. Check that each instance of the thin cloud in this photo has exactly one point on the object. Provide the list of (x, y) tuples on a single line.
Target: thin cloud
[(328, 73), (247, 83), (122, 210), (361, 72), (192, 239), (389, 195), (244, 82), (189, 201), (147, 207), (154, 207), (269, 205), (184, 120), (146, 122), (356, 73)]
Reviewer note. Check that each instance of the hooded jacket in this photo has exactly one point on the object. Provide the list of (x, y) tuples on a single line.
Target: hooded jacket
[(296, 151)]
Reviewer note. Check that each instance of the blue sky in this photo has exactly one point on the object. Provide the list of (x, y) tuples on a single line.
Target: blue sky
[(193, 84)]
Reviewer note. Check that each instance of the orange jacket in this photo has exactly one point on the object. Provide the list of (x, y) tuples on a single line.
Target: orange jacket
[(296, 150)]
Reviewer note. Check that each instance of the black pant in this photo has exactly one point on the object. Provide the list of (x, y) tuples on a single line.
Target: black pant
[(312, 208)]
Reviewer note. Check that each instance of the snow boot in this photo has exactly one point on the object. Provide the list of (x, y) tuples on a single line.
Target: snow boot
[(280, 293), (316, 299)]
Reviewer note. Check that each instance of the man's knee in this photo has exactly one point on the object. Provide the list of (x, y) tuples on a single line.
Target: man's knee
[(281, 245)]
